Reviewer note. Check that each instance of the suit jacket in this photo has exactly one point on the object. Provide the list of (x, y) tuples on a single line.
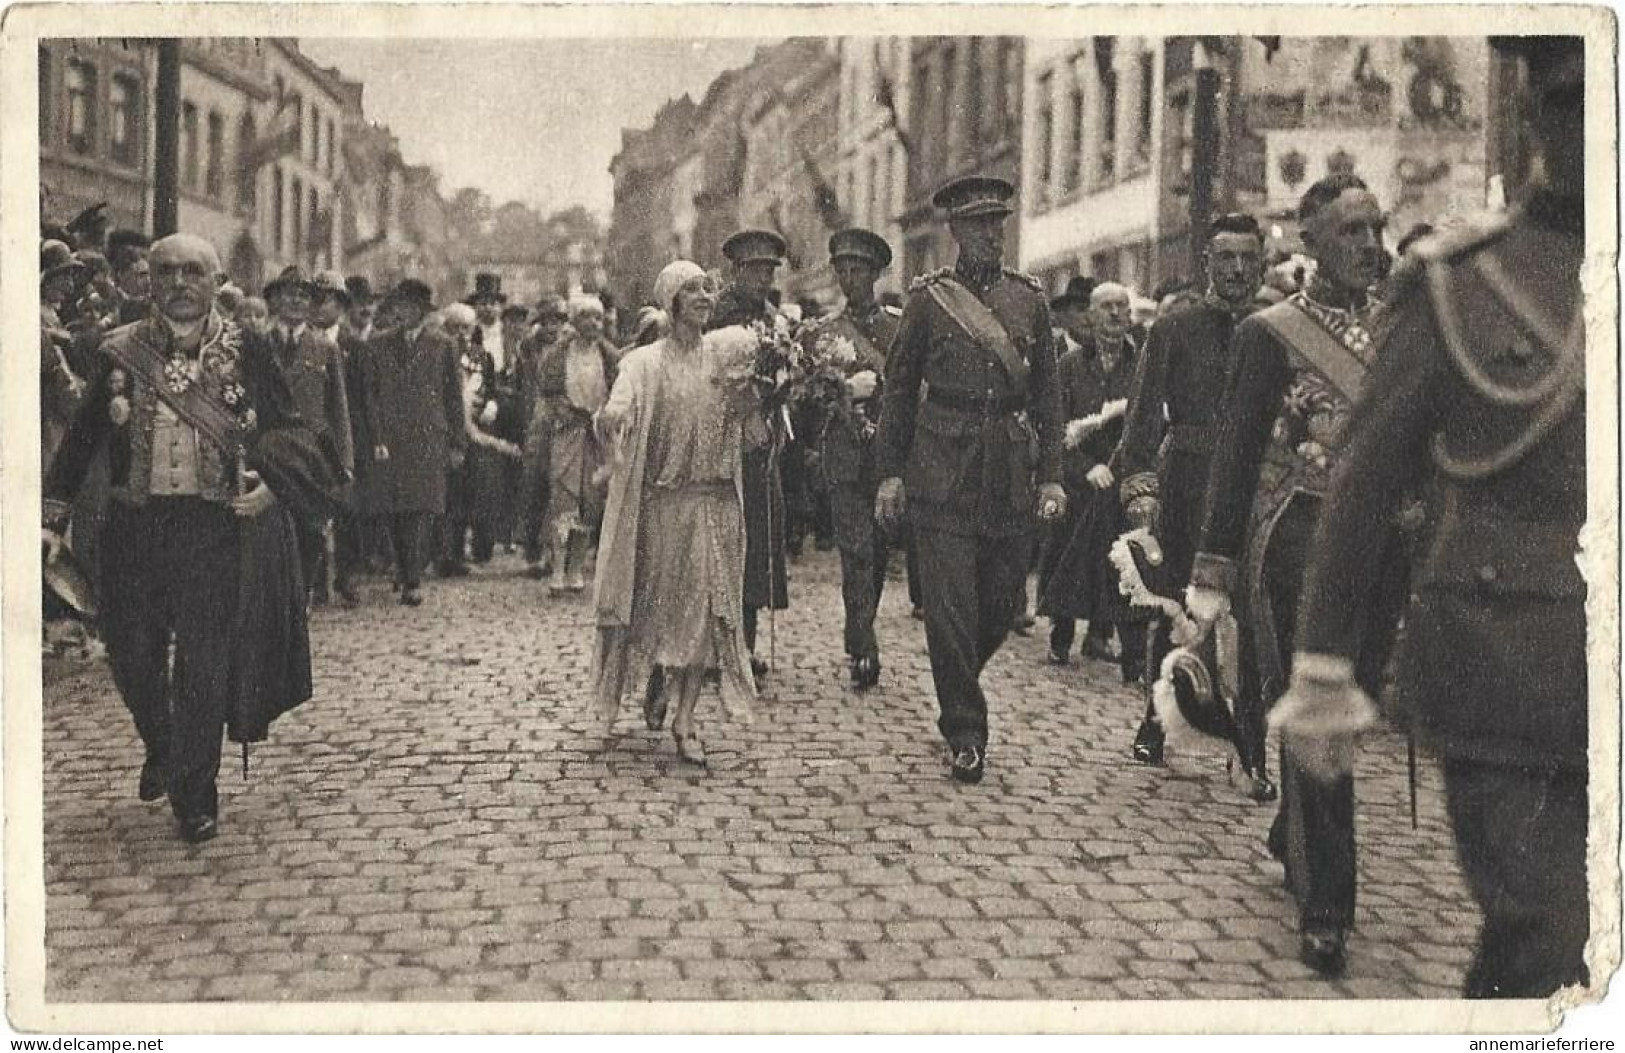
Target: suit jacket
[(414, 391), (969, 471), (314, 368), (1493, 664)]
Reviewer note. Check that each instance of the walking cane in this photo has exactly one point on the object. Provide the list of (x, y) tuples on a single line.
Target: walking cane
[(242, 488), (1410, 767)]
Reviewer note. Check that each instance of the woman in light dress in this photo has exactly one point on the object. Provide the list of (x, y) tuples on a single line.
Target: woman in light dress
[(672, 560)]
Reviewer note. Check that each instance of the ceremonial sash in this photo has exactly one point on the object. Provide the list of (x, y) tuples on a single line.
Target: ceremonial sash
[(982, 326), (1318, 347), (200, 408)]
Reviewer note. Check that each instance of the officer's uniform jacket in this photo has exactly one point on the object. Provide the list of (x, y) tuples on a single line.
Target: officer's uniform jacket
[(846, 434), (1482, 382), (314, 368), (151, 450), (1168, 430), (969, 450), (1282, 424)]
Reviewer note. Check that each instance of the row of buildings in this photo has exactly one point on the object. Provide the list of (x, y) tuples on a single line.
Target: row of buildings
[(278, 164), (1097, 133)]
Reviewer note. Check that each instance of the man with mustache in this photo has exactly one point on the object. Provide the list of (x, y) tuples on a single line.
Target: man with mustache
[(180, 398), (1299, 366)]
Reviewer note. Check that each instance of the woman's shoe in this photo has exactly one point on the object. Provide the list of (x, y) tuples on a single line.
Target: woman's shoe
[(689, 747)]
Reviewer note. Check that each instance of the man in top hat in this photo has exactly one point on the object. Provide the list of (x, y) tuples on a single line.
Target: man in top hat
[(754, 257), (487, 299), (1480, 388), (1070, 313), (959, 461), (313, 366), (1297, 370), (413, 387), (845, 440), (89, 228), (1169, 435)]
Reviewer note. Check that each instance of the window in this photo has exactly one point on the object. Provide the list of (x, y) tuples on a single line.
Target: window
[(277, 226), (313, 228), (315, 137), (921, 157), (1077, 131), (247, 166), (332, 149), (973, 53), (1044, 130), (189, 154), (1148, 101), (46, 132), (1010, 91), (297, 201), (947, 128), (874, 209), (124, 118), (296, 104), (81, 82), (214, 176), (1108, 122)]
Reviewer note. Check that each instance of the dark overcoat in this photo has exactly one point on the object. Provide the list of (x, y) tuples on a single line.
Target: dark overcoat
[(414, 408)]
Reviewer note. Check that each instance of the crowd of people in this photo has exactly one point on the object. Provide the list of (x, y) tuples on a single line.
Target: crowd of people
[(1241, 494)]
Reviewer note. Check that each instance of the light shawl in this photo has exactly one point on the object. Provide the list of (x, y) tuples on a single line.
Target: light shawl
[(624, 426)]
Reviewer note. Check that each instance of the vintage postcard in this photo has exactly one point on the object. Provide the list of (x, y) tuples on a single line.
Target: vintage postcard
[(775, 518)]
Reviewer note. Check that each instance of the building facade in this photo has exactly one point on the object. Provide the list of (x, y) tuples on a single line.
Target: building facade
[(964, 117), (1092, 182), (95, 128), (871, 155)]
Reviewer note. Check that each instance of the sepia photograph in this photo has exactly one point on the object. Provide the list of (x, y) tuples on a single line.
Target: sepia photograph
[(820, 516)]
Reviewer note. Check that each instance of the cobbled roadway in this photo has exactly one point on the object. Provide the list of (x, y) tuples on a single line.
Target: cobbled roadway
[(435, 825)]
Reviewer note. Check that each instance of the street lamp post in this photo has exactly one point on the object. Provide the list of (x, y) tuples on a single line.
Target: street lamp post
[(166, 165)]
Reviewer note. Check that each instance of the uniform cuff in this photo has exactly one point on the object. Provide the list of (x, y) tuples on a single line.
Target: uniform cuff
[(1136, 486), (1214, 572), (56, 514)]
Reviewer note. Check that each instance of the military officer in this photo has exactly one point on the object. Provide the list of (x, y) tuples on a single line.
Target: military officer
[(960, 461), (846, 458), (755, 256), (1297, 368), (1482, 383)]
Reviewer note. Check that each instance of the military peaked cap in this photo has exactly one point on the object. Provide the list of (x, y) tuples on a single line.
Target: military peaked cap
[(753, 246), (975, 195), (861, 244)]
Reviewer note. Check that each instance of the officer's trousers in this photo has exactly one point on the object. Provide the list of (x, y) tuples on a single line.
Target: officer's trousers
[(863, 565), (1521, 840), (170, 573), (972, 588)]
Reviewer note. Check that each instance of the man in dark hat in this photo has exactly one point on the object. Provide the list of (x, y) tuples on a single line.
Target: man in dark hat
[(412, 384), (178, 399), (978, 337), (314, 368), (330, 315), (1297, 369), (89, 228), (1169, 434), (487, 299), (858, 338), (1481, 387), (1070, 313), (754, 256)]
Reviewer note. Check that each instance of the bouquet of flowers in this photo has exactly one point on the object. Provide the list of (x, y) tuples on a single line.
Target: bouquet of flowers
[(761, 359)]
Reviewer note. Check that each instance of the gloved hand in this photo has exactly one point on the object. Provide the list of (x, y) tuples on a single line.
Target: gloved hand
[(1205, 605), (1322, 715), (1100, 477), (1051, 502), (862, 385), (488, 415), (890, 503)]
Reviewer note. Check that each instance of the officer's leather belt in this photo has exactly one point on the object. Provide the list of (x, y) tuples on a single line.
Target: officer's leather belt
[(969, 402)]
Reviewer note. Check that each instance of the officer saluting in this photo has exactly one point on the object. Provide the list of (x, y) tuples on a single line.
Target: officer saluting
[(1483, 381), (978, 338), (846, 455)]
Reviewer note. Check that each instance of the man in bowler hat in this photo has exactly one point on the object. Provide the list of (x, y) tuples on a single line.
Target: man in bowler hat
[(960, 461)]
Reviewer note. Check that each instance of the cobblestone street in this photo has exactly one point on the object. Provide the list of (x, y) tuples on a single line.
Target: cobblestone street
[(434, 825)]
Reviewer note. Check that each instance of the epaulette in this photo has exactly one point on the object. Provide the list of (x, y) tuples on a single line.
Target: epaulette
[(1472, 234), (1024, 278), (929, 277)]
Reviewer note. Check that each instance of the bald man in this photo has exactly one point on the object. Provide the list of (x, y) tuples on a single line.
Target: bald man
[(177, 401)]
